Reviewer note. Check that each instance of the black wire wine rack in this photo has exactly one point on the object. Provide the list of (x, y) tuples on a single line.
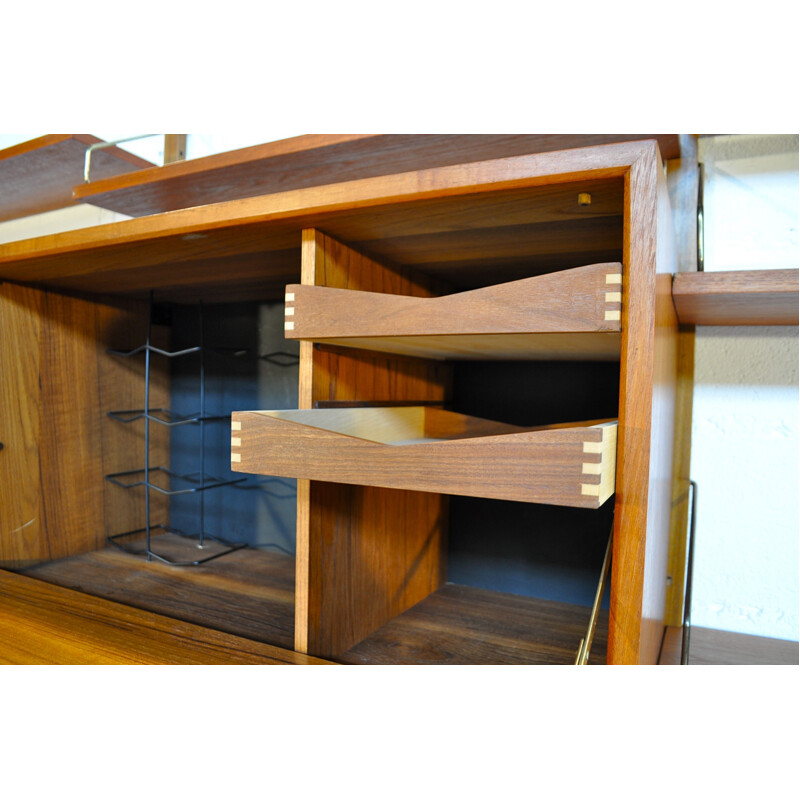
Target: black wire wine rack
[(161, 478)]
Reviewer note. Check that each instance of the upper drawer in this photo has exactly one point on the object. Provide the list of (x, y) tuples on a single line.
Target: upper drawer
[(574, 313)]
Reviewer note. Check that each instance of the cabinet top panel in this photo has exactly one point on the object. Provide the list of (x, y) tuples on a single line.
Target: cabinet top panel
[(319, 159), (523, 215)]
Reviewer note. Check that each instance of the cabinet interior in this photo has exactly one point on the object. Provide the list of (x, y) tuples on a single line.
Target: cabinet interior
[(533, 551)]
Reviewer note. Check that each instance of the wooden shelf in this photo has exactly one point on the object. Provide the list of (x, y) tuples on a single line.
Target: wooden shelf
[(429, 450), (464, 625), (549, 316), (747, 297), (313, 160), (39, 175), (45, 624), (249, 594)]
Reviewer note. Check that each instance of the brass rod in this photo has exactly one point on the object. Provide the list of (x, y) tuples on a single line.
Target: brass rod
[(586, 643)]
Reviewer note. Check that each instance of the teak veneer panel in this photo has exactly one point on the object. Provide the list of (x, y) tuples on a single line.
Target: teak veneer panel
[(466, 625), (58, 383), (248, 593), (364, 553), (520, 319), (38, 175), (747, 297), (427, 449), (317, 159), (44, 624), (642, 510), (247, 239)]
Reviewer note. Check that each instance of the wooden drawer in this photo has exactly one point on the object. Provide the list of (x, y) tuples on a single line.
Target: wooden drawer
[(427, 449), (572, 314)]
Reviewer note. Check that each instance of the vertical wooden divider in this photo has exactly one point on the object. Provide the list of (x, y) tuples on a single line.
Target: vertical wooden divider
[(364, 554)]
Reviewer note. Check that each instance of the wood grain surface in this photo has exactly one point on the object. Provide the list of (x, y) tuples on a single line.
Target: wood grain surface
[(44, 624), (479, 324), (364, 554), (425, 449), (646, 420), (746, 297), (707, 646), (602, 346), (318, 159), (242, 239), (38, 175), (571, 300), (465, 625), (59, 442), (247, 593)]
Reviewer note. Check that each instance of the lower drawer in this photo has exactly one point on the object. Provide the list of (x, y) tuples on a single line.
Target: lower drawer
[(428, 449)]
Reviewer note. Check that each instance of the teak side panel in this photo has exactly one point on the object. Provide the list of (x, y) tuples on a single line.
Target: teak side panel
[(364, 554), (747, 297), (59, 443), (647, 399), (22, 520), (560, 465)]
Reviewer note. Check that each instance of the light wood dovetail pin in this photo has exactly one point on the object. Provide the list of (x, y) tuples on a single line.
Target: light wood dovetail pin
[(427, 449), (572, 314)]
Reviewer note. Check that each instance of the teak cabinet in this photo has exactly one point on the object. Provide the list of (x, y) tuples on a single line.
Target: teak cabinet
[(437, 312)]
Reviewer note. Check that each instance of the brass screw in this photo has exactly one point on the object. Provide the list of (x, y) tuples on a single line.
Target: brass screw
[(584, 199)]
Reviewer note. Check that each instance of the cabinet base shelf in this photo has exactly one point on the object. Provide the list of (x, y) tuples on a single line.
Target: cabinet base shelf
[(464, 625), (250, 594)]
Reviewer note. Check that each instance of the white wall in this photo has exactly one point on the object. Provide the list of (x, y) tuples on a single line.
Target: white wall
[(745, 421)]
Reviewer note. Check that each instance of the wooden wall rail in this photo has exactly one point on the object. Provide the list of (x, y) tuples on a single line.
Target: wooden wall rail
[(746, 297)]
